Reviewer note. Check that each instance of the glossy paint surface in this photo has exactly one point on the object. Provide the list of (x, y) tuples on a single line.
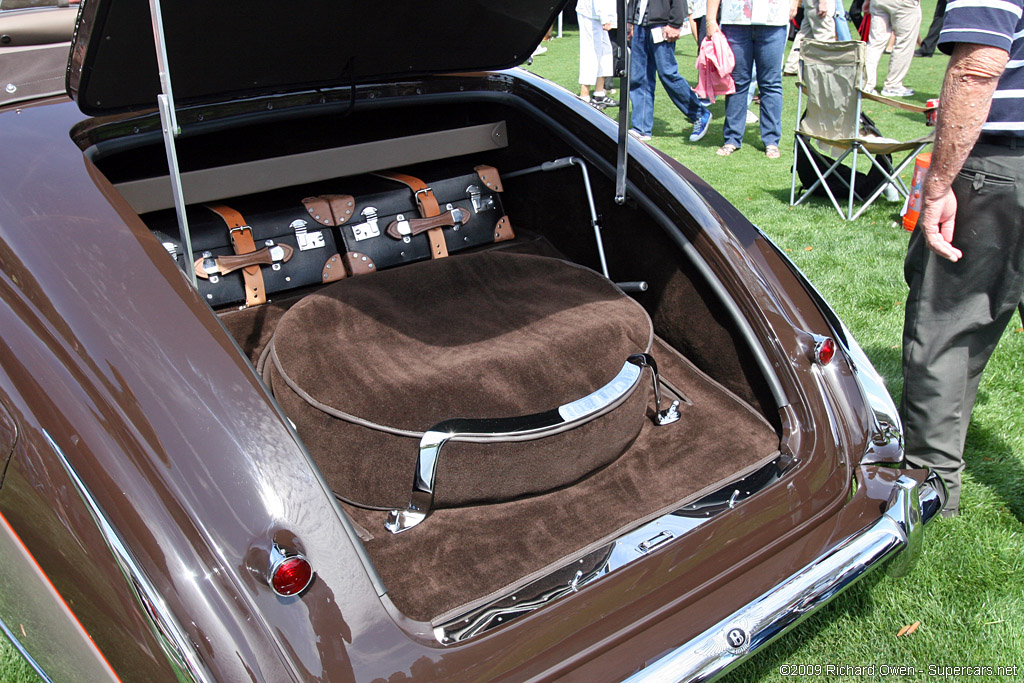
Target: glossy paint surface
[(109, 352)]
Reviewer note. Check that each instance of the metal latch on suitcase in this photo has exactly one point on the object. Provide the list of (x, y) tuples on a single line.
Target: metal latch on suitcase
[(305, 239), (480, 203), (364, 231)]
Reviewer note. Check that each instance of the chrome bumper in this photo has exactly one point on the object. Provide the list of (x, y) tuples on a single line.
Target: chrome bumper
[(736, 637)]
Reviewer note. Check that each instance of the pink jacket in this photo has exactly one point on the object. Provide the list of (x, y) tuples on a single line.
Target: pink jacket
[(714, 67)]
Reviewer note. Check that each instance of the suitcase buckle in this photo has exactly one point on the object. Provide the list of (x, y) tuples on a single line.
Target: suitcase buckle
[(211, 267)]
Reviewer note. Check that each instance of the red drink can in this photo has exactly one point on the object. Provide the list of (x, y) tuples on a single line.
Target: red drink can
[(932, 115)]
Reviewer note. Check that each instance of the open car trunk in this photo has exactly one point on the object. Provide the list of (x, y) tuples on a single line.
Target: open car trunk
[(478, 560)]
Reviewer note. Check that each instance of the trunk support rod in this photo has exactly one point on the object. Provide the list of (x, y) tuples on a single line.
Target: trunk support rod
[(595, 222), (622, 71), (170, 129)]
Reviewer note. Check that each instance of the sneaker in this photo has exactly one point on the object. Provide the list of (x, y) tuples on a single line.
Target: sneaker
[(752, 117), (891, 193), (539, 51), (897, 92), (700, 127), (602, 101), (638, 135)]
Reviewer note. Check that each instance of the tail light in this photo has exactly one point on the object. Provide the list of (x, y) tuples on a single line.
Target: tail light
[(290, 573), (824, 350)]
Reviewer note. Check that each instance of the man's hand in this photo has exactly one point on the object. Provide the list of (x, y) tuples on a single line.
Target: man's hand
[(937, 221), (671, 34), (823, 7)]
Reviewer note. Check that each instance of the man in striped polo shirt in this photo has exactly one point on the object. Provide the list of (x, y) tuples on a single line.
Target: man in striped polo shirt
[(965, 262)]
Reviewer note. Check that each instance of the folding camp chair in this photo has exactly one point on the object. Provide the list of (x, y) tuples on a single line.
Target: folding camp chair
[(831, 75)]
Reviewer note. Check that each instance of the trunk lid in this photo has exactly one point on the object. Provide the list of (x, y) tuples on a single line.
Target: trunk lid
[(223, 50)]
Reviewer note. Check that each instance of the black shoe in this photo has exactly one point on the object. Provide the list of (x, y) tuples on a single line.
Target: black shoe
[(918, 53), (602, 101)]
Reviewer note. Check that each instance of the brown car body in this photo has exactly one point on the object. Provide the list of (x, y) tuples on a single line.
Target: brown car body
[(147, 470)]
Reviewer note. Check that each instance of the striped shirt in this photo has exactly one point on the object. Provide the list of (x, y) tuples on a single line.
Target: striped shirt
[(995, 23)]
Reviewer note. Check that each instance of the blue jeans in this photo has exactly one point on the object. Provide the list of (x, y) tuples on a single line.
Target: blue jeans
[(646, 57), (764, 47)]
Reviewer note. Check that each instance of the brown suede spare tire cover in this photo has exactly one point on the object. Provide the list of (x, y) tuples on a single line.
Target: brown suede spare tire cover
[(366, 365)]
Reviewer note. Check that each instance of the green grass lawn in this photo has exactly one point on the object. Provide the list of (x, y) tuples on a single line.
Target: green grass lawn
[(968, 589)]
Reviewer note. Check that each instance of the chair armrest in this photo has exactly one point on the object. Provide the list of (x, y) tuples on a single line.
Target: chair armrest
[(905, 106)]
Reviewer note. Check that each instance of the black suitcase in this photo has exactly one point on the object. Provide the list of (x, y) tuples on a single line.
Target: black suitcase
[(390, 226), (247, 248)]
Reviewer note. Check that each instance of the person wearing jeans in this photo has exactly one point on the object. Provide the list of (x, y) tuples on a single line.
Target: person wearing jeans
[(756, 31), (656, 26)]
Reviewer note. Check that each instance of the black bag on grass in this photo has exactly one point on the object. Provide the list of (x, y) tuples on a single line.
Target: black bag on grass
[(864, 184)]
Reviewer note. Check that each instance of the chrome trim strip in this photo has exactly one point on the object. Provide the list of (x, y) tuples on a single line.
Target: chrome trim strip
[(603, 397), (732, 640), (177, 647), (16, 644), (421, 501)]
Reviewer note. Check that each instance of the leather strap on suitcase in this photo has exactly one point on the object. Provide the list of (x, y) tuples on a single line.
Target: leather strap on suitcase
[(428, 206), (242, 243)]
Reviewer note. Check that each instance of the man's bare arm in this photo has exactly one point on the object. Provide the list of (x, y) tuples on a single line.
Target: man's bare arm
[(971, 79)]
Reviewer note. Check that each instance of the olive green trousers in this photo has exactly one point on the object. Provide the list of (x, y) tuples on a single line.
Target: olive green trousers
[(957, 312)]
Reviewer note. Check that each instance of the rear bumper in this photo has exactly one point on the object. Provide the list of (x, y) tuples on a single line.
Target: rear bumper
[(730, 641)]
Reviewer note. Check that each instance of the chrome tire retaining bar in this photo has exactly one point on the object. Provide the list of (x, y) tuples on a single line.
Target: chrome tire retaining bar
[(516, 428), (735, 638)]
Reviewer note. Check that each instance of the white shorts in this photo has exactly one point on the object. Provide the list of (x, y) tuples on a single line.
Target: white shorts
[(595, 51)]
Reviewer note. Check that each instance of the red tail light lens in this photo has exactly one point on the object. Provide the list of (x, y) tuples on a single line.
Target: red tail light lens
[(825, 351), (291, 575)]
